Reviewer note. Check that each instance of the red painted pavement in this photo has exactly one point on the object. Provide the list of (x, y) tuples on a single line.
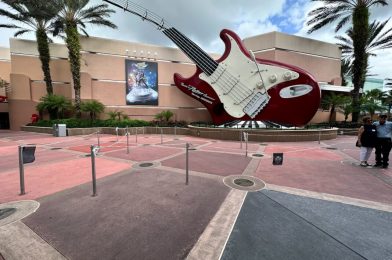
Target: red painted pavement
[(41, 181)]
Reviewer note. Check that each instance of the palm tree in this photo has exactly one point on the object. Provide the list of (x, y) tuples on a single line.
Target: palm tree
[(93, 107), (333, 101), (345, 71), (387, 101), (343, 11), (55, 105), (347, 107), (36, 16), (371, 101), (74, 16), (379, 38)]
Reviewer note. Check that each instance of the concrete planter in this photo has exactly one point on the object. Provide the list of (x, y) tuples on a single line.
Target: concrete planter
[(255, 135)]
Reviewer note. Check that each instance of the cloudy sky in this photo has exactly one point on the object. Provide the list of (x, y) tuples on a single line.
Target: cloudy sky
[(202, 20)]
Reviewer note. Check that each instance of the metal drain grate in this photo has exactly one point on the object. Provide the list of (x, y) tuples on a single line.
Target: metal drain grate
[(244, 182), (263, 144), (56, 148), (6, 212), (146, 164), (331, 148), (258, 155)]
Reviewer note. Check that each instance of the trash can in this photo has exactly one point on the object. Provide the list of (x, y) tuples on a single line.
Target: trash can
[(62, 130), (59, 130)]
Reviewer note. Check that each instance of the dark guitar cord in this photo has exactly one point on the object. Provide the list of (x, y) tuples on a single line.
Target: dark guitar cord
[(258, 70)]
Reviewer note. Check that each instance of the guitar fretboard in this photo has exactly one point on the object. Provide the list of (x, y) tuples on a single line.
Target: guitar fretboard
[(192, 50)]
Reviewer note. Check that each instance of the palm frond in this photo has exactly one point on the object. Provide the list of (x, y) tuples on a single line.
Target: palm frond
[(21, 32), (11, 26)]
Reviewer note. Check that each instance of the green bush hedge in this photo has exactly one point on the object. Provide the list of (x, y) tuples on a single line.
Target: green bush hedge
[(84, 123)]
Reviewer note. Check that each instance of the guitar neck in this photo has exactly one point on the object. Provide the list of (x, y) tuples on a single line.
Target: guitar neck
[(192, 50)]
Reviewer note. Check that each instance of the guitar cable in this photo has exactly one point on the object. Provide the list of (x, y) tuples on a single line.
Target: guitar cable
[(252, 55)]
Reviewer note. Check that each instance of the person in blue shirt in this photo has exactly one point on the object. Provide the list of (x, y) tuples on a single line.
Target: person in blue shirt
[(383, 144)]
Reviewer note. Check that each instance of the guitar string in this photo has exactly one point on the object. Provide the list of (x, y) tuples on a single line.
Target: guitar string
[(186, 49), (152, 17), (239, 97), (231, 80), (206, 60)]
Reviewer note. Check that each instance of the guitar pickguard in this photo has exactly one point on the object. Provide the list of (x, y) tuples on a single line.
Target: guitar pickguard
[(242, 83)]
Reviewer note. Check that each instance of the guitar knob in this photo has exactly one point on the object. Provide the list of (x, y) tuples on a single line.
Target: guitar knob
[(259, 85), (287, 75), (273, 78)]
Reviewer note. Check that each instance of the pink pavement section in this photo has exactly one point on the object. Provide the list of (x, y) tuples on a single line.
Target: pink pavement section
[(308, 166), (53, 177)]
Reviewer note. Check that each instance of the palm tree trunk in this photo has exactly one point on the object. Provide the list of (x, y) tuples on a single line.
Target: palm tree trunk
[(73, 46), (361, 35), (44, 56)]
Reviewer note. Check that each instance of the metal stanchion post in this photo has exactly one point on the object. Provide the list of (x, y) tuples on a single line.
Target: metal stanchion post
[(21, 170), (136, 134), (117, 134), (186, 164), (319, 136), (93, 170), (175, 130), (246, 144), (127, 140), (241, 139), (161, 136), (143, 129), (98, 138)]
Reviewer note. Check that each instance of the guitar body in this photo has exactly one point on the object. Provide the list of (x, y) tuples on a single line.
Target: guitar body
[(292, 96)]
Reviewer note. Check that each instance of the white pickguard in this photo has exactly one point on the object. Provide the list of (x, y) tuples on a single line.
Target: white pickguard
[(237, 80)]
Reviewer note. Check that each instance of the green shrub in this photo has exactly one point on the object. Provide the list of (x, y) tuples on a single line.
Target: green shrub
[(85, 123), (93, 107), (55, 105)]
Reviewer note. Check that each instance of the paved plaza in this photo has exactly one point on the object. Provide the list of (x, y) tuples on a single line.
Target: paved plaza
[(319, 204)]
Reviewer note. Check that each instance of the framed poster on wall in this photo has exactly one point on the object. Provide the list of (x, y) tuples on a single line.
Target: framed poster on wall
[(141, 82)]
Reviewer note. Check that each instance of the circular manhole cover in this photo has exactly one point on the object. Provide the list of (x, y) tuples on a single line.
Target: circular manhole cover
[(55, 148), (331, 148), (263, 144), (6, 212), (258, 155), (148, 164), (244, 182)]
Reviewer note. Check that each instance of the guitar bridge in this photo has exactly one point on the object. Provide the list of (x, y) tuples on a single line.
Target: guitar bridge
[(256, 104)]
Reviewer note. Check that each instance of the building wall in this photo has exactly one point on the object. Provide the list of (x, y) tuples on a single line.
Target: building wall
[(5, 71), (103, 73), (320, 59)]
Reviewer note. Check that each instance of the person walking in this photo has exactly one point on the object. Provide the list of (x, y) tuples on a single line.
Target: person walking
[(367, 138), (383, 144)]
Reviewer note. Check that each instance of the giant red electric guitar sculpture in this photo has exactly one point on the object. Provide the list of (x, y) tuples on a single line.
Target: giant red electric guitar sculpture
[(239, 86)]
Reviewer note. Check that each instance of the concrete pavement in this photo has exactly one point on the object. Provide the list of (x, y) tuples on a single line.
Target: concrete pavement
[(149, 213)]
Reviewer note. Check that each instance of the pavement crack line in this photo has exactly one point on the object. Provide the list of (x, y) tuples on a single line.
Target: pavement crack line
[(313, 225)]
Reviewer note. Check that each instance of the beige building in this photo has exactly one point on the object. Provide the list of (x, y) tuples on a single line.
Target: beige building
[(103, 73)]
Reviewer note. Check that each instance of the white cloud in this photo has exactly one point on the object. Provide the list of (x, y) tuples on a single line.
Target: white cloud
[(203, 20)]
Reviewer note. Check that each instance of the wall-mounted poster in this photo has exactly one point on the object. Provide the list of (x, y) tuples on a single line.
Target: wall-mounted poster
[(141, 82)]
